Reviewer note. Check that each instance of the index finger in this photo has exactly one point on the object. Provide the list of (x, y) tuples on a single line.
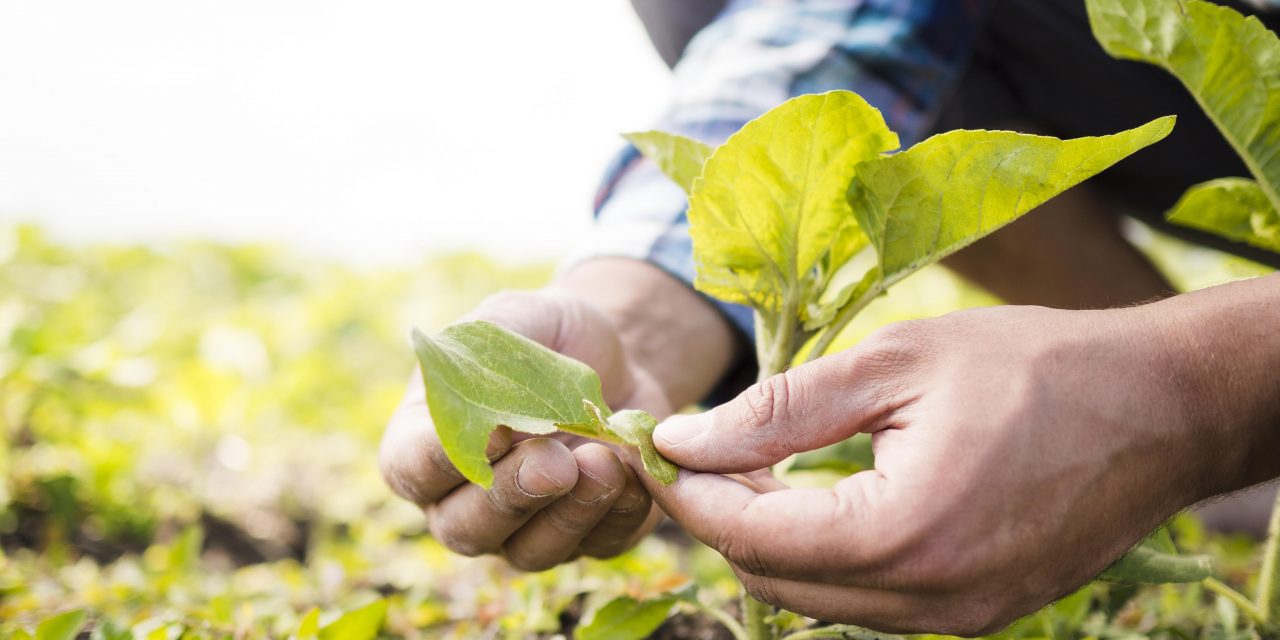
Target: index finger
[(827, 535)]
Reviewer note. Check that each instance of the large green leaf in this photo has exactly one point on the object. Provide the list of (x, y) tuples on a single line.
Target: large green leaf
[(480, 376), (679, 157), (769, 212), (1231, 64), (626, 618), (1234, 208), (920, 205)]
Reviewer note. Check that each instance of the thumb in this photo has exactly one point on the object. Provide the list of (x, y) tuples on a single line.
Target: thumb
[(808, 407)]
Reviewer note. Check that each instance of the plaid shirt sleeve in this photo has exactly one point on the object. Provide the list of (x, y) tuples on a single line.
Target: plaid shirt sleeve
[(901, 55)]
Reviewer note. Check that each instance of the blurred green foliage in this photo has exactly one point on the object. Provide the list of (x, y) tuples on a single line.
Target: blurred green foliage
[(189, 451)]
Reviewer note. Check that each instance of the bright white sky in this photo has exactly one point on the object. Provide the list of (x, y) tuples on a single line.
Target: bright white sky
[(372, 131)]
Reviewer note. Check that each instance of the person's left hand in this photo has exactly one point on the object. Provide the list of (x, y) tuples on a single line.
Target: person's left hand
[(1019, 451)]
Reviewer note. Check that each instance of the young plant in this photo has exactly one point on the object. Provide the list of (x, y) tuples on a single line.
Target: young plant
[(1231, 65), (806, 216)]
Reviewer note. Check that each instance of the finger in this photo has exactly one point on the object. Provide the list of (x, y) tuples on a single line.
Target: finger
[(883, 611), (555, 532), (624, 524), (810, 406), (535, 473), (839, 535), (411, 457)]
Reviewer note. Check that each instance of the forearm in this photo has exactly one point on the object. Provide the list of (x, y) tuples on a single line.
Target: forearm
[(1225, 368), (666, 328)]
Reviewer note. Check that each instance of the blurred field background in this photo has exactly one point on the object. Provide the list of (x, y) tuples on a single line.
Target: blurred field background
[(217, 225), (190, 436)]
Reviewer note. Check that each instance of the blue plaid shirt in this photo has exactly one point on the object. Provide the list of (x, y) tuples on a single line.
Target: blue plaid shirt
[(903, 56)]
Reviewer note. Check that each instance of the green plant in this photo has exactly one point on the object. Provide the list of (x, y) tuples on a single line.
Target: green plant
[(1231, 66), (805, 216)]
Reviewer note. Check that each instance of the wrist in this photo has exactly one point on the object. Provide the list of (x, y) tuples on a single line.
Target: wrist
[(667, 330), (1222, 351)]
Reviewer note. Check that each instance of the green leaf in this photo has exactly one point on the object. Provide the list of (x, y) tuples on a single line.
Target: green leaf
[(479, 376), (1231, 64), (847, 456), (1150, 563), (105, 629), (679, 157), (308, 626), (945, 193), (1235, 208), (626, 618), (21, 634), (636, 429), (63, 626), (768, 215), (358, 624)]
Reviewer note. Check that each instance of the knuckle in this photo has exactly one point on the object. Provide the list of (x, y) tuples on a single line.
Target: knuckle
[(894, 343), (510, 508), (766, 404), (574, 522), (743, 554), (400, 463), (762, 589), (523, 561), (455, 541), (435, 456)]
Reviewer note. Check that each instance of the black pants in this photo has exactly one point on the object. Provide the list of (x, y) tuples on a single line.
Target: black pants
[(1036, 63)]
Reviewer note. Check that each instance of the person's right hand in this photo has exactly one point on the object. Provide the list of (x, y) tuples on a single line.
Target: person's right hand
[(553, 498)]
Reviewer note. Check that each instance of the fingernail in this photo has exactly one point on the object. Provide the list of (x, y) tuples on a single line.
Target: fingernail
[(628, 503), (680, 429), (590, 489), (535, 482)]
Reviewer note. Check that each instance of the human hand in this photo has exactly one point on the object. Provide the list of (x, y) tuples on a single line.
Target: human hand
[(553, 498), (1018, 452)]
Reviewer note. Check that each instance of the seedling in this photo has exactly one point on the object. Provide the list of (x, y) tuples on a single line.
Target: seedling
[(806, 216)]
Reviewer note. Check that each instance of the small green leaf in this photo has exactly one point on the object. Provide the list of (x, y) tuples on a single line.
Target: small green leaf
[(943, 194), (1149, 563), (63, 626), (768, 215), (358, 624), (626, 618), (1235, 208), (21, 634), (636, 429), (1230, 63), (479, 376), (308, 626), (679, 157), (105, 629)]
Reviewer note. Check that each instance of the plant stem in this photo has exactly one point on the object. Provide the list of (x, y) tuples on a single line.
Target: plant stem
[(1242, 603), (756, 615), (777, 340), (735, 628), (829, 335), (1269, 579), (843, 631)]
